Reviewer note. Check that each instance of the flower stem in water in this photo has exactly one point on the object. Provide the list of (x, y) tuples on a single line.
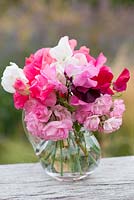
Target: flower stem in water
[(53, 159), (61, 158)]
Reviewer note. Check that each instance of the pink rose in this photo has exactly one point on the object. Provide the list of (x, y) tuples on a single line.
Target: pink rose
[(19, 100), (57, 130), (112, 124), (92, 123)]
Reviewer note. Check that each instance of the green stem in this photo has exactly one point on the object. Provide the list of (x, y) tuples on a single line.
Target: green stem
[(78, 161), (80, 145), (61, 158), (53, 160)]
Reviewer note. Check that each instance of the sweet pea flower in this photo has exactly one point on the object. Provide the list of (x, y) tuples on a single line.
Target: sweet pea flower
[(92, 123), (118, 108), (102, 105), (85, 51), (40, 88), (104, 80), (33, 125), (112, 124), (36, 62), (121, 82), (19, 100), (10, 75), (61, 53), (100, 61), (57, 130), (80, 115), (42, 113), (21, 88), (61, 112)]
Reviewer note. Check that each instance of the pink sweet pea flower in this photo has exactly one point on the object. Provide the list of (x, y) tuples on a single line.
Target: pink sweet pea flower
[(57, 130), (19, 100), (112, 124), (61, 112), (73, 43), (102, 105), (85, 51), (33, 125), (121, 82), (21, 87), (75, 101), (81, 114), (100, 61), (92, 122), (36, 62), (40, 88), (42, 113), (118, 108), (50, 100)]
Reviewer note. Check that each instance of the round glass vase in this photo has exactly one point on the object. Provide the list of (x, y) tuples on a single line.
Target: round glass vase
[(70, 159)]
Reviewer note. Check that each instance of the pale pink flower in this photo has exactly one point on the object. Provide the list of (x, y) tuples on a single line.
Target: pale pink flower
[(19, 100), (61, 112), (118, 108), (80, 115), (33, 125), (112, 124), (73, 43), (92, 123), (102, 105), (57, 130), (85, 51)]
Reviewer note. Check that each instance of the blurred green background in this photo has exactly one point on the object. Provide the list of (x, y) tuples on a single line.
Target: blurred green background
[(102, 25)]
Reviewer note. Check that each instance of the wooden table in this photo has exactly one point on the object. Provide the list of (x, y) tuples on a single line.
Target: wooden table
[(113, 180)]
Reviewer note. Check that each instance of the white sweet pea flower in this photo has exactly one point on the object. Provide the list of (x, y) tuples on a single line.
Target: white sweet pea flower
[(10, 74), (112, 124), (62, 51)]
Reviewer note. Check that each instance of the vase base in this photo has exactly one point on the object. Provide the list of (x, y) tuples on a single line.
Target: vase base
[(67, 177)]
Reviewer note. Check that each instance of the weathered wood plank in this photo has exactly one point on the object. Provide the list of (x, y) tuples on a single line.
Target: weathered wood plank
[(113, 180)]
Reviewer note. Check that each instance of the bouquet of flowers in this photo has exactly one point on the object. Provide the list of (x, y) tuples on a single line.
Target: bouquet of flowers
[(63, 90)]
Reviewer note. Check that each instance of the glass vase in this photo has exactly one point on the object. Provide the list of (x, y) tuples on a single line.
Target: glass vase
[(70, 159)]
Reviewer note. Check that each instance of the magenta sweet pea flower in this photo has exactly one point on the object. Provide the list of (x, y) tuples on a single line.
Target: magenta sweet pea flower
[(19, 100), (121, 82)]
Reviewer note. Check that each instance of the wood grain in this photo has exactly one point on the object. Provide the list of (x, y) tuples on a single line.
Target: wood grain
[(113, 180)]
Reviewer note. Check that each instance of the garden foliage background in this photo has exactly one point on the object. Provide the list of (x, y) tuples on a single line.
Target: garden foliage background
[(103, 25)]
